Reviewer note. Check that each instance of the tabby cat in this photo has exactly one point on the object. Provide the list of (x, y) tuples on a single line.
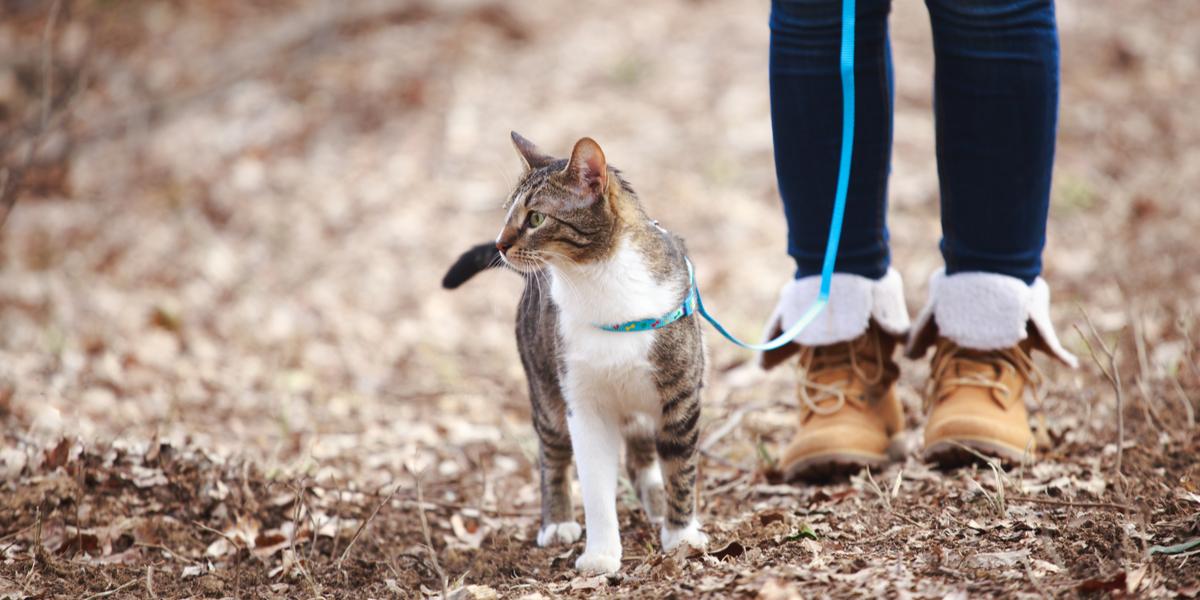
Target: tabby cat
[(590, 256)]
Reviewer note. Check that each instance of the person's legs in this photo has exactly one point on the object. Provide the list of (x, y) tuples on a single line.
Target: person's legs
[(996, 106), (995, 102), (806, 120), (848, 411)]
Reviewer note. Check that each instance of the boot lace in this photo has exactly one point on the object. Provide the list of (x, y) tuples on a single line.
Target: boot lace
[(954, 366), (815, 360)]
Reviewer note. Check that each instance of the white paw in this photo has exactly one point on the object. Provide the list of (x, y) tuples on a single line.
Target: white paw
[(598, 563), (559, 533), (690, 535)]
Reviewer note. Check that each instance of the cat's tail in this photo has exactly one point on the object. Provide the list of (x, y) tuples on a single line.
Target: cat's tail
[(480, 258)]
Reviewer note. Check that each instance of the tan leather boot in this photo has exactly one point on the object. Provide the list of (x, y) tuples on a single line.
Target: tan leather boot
[(848, 409), (976, 401), (984, 326)]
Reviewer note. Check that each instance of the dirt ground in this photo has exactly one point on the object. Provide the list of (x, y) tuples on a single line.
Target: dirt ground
[(227, 368)]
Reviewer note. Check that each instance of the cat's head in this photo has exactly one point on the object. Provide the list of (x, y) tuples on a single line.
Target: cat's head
[(563, 211)]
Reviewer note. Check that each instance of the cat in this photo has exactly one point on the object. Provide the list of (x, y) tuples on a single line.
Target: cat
[(590, 256)]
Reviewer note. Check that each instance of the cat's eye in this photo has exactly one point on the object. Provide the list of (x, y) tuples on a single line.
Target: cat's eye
[(536, 219)]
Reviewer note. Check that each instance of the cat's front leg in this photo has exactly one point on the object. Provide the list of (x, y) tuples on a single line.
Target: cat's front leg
[(596, 440), (554, 462), (676, 446)]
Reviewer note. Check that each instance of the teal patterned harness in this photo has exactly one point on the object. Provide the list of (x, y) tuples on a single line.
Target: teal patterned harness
[(688, 307)]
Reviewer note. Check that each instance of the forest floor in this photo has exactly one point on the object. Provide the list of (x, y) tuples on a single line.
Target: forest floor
[(227, 368)]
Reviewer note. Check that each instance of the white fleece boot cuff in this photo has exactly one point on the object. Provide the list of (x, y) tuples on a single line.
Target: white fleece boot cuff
[(986, 311), (853, 301)]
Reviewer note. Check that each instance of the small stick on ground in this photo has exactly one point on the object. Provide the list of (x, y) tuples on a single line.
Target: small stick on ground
[(237, 557), (114, 590), (1053, 502), (301, 506), (460, 506), (886, 497), (364, 524), (37, 549), (428, 537), (883, 496), (1143, 377), (725, 462), (337, 521), (150, 581), (1187, 404), (13, 535), (1112, 374), (167, 550), (731, 423)]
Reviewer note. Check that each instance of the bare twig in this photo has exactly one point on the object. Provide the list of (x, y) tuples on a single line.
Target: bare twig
[(460, 506), (999, 500), (364, 524), (337, 521), (302, 505), (167, 550), (37, 549), (883, 496), (48, 62), (1053, 502), (1144, 376), (150, 581), (729, 425), (14, 534), (127, 584), (879, 538), (1187, 404), (232, 542), (312, 522), (429, 537), (1184, 325), (741, 481), (237, 556), (886, 497), (995, 500), (725, 462), (1112, 374)]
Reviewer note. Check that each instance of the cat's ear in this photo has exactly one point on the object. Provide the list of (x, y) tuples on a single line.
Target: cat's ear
[(587, 166), (531, 157)]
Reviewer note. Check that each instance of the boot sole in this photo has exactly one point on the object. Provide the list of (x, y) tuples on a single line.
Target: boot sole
[(949, 454), (833, 465)]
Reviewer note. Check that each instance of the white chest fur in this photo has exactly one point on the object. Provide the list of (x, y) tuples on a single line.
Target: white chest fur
[(610, 371)]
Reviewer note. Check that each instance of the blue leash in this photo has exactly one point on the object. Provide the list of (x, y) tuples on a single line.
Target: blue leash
[(693, 303), (839, 203)]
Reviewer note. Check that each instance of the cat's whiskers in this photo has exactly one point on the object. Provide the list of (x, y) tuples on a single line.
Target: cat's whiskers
[(539, 275), (498, 261)]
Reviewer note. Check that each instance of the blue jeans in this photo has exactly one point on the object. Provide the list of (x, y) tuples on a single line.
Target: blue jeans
[(995, 107)]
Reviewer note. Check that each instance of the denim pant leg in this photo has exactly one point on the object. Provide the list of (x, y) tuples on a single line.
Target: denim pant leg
[(806, 122), (996, 105)]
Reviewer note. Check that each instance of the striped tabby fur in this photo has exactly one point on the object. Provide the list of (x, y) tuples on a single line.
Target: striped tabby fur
[(590, 255)]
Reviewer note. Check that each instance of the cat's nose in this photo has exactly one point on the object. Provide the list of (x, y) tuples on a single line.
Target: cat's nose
[(503, 246)]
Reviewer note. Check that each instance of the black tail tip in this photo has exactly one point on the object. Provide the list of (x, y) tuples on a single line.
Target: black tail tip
[(481, 257), (453, 279)]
